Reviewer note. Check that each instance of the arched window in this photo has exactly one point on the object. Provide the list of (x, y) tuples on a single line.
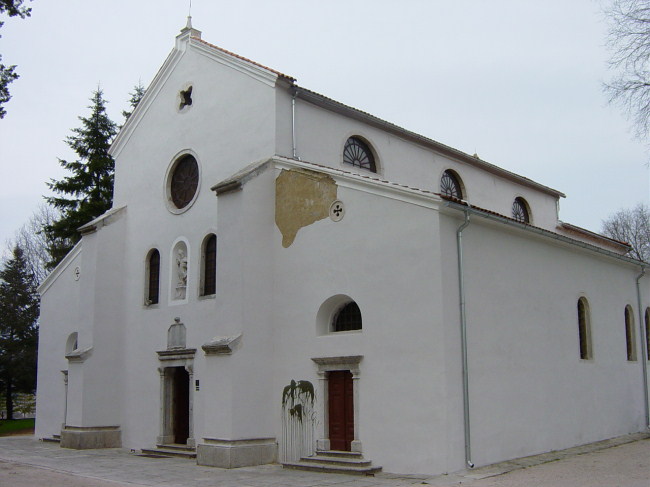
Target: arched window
[(209, 267), (357, 153), (647, 333), (630, 340), (450, 185), (72, 343), (584, 329), (520, 210), (153, 277), (347, 318)]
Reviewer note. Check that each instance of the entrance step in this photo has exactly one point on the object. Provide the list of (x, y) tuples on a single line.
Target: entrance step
[(52, 439), (335, 462), (171, 450)]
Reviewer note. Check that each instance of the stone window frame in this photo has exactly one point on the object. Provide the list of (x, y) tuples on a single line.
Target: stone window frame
[(180, 156)]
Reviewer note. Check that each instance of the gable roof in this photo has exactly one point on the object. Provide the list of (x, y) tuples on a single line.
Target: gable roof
[(242, 58)]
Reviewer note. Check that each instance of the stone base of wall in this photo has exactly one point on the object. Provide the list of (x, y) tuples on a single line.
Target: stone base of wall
[(90, 437), (236, 453)]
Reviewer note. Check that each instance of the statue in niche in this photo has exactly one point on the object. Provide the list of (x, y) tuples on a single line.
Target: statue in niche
[(181, 273)]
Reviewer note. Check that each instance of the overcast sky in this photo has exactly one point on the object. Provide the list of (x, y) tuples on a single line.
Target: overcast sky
[(519, 82)]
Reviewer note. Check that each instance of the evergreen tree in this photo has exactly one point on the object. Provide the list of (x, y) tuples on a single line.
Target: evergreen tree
[(88, 191), (136, 95), (19, 309), (13, 8)]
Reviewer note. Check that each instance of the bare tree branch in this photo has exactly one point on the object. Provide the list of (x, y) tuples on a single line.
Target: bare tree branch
[(631, 226)]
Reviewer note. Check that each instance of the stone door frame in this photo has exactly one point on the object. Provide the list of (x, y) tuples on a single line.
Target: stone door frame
[(328, 364), (168, 359)]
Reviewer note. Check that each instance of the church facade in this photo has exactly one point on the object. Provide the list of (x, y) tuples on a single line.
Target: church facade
[(282, 275)]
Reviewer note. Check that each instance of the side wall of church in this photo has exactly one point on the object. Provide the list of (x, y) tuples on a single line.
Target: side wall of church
[(60, 306), (530, 392)]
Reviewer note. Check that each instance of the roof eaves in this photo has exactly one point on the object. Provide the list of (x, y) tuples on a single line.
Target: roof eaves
[(492, 215)]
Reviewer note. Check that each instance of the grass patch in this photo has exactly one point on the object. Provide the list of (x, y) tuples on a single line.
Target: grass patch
[(16, 426)]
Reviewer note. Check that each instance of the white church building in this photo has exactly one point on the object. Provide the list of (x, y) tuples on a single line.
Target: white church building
[(283, 276)]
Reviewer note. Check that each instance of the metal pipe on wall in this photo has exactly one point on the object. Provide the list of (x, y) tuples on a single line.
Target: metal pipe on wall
[(463, 339)]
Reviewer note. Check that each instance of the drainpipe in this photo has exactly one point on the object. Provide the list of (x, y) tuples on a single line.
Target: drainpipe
[(463, 338), (293, 123), (644, 351)]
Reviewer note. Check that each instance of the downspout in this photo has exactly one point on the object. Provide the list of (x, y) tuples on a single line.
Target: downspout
[(644, 351), (293, 123), (463, 338)]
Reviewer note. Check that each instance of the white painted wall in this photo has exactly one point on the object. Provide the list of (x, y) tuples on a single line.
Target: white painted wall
[(394, 253)]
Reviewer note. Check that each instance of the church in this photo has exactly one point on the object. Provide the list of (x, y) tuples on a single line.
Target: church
[(285, 278)]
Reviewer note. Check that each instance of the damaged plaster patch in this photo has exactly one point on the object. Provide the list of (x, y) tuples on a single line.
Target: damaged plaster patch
[(301, 198)]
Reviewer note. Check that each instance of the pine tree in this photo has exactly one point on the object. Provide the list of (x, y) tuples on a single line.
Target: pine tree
[(136, 95), (88, 191), (19, 309), (13, 8)]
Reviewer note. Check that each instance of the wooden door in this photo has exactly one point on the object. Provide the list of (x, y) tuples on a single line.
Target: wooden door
[(181, 405), (341, 410)]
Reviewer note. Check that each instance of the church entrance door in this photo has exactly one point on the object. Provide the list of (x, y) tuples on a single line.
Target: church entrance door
[(341, 410), (180, 404)]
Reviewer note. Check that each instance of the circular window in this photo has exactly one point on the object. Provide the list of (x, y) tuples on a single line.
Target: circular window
[(184, 182)]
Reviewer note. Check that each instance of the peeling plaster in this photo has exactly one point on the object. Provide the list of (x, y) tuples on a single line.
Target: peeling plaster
[(302, 197)]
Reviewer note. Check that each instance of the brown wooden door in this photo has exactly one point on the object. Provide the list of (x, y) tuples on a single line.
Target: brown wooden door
[(181, 405), (341, 410)]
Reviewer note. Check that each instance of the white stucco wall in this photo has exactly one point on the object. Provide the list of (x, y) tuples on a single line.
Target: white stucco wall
[(321, 135), (529, 390)]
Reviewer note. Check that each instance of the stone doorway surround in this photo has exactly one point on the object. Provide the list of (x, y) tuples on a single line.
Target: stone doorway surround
[(326, 365), (169, 359)]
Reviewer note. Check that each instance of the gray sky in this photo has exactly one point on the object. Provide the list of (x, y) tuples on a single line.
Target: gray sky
[(519, 82)]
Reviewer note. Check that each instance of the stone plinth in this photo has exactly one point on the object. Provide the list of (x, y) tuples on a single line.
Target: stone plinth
[(91, 437), (236, 453)]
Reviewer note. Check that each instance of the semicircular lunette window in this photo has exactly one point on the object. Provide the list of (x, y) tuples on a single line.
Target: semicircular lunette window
[(184, 182), (348, 318), (357, 153), (520, 210), (450, 185)]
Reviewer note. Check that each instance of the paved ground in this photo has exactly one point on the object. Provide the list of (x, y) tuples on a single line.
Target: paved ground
[(27, 462)]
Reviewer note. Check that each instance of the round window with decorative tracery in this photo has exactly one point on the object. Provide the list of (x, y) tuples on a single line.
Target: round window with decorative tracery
[(184, 182)]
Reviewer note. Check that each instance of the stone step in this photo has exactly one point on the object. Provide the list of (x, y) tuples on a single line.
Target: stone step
[(176, 446), (336, 460), (165, 451), (332, 468), (339, 453)]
